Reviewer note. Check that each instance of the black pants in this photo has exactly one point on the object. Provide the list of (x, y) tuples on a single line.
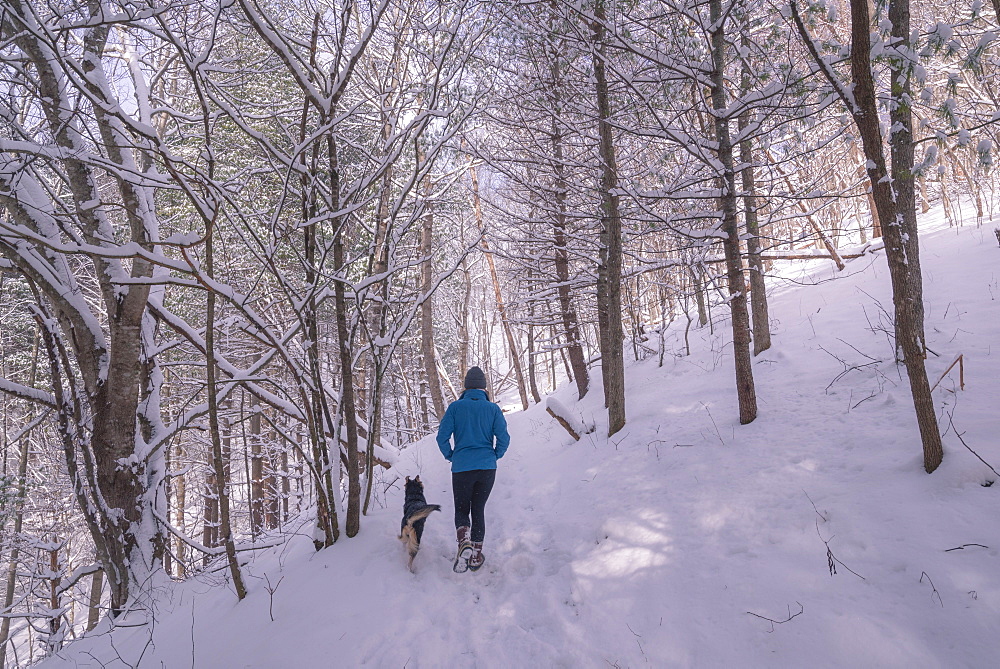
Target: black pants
[(472, 489)]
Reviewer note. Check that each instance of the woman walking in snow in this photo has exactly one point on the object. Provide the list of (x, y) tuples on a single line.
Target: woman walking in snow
[(475, 422)]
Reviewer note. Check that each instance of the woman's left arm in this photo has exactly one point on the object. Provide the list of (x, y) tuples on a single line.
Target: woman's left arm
[(500, 432)]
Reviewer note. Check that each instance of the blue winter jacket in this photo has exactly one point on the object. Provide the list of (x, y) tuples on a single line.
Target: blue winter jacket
[(474, 421)]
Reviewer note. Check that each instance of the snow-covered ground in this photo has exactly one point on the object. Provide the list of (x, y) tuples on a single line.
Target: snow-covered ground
[(675, 542)]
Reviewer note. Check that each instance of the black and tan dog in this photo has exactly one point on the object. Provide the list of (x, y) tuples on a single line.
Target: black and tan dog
[(415, 512)]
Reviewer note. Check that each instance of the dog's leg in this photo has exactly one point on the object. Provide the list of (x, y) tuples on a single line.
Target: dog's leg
[(409, 537)]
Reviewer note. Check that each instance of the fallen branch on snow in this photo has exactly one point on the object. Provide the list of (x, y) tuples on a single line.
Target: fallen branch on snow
[(564, 417)]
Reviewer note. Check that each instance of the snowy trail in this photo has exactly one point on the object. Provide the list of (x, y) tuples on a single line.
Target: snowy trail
[(530, 598), (655, 547)]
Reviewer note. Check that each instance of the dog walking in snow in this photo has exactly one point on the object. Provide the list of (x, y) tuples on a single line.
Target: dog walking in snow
[(415, 512)]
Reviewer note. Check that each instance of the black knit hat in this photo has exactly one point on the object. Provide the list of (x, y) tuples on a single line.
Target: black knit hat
[(475, 378)]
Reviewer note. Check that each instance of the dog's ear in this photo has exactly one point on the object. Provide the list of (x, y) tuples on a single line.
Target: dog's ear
[(407, 479), (417, 479)]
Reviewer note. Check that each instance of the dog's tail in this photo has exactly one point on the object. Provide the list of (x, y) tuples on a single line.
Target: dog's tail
[(422, 513), (419, 514), (408, 535)]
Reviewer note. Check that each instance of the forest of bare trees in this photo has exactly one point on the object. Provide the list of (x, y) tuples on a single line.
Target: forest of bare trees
[(249, 248)]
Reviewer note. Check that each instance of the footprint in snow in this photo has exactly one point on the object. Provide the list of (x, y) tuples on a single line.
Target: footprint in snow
[(521, 566)]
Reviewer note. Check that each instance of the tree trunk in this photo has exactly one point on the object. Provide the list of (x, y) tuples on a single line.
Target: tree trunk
[(515, 358), (463, 324), (894, 197), (286, 485), (272, 493), (975, 187), (426, 308), (531, 364), (567, 312), (745, 391), (609, 271), (180, 504), (902, 247), (319, 421), (869, 197), (758, 296), (55, 638), (112, 495), (699, 295), (904, 267), (379, 317), (257, 494), (94, 603), (348, 409), (374, 434), (222, 480), (210, 515), (22, 489)]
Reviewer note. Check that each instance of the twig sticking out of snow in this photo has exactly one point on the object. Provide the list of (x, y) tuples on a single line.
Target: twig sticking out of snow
[(825, 519), (934, 591), (714, 425), (271, 589), (951, 426), (780, 622), (831, 559), (960, 361)]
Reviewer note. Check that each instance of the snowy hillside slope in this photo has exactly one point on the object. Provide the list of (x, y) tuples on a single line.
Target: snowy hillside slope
[(672, 544)]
